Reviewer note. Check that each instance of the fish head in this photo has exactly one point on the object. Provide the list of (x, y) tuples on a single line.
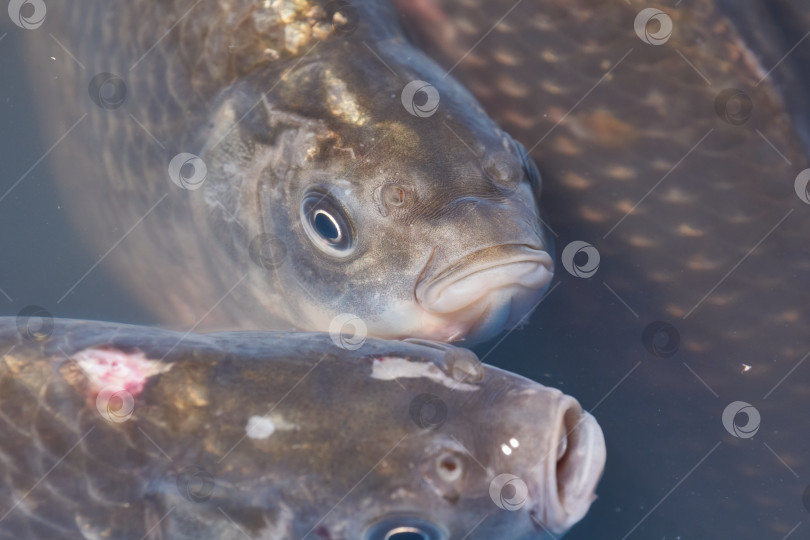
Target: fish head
[(397, 200), (416, 442), (494, 456)]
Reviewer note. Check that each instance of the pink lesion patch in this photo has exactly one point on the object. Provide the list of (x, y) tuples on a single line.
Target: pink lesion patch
[(106, 368)]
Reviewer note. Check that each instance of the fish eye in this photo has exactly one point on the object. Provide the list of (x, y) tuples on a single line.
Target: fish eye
[(327, 223), (405, 533), (404, 528)]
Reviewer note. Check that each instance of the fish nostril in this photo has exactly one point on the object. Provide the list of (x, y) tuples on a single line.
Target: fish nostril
[(449, 467), (504, 169), (392, 197)]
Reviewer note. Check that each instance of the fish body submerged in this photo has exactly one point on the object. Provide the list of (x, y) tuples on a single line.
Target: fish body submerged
[(274, 165), (116, 431)]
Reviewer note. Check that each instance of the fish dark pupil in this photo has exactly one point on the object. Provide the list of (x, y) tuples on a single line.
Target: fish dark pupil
[(326, 226)]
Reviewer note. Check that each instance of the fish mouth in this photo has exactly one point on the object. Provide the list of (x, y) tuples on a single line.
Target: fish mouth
[(490, 287), (579, 448)]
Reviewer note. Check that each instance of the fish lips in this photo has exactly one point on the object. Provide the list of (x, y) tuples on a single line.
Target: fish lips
[(568, 483), (490, 288)]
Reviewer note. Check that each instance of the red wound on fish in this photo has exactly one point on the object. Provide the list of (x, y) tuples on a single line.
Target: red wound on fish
[(107, 368)]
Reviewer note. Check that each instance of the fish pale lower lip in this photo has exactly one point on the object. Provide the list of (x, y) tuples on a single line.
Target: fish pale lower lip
[(528, 268)]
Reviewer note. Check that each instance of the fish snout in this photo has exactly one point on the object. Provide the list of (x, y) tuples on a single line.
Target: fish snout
[(489, 288), (568, 473)]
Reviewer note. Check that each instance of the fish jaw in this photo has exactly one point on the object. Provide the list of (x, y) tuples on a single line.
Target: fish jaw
[(473, 298), (483, 292)]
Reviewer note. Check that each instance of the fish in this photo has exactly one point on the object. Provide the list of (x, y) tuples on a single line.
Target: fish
[(285, 165), (110, 430), (678, 157)]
